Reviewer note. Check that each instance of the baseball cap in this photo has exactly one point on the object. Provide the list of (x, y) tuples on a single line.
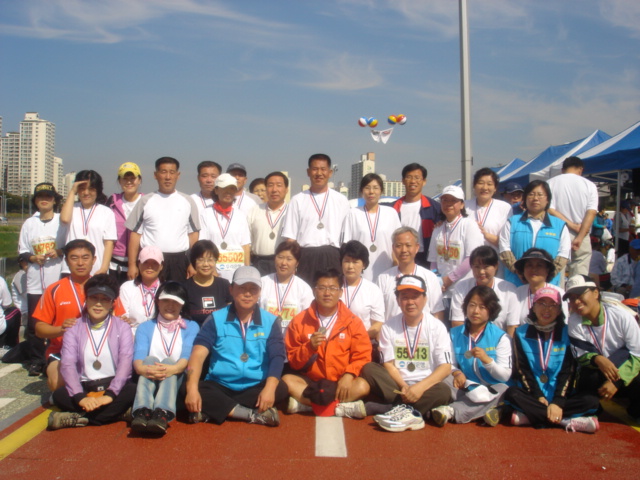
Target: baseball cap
[(513, 187), (411, 282), (236, 166), (226, 180), (247, 275), (547, 292), (44, 188), (129, 167), (578, 284), (150, 252), (534, 254), (101, 290), (454, 191), (635, 243)]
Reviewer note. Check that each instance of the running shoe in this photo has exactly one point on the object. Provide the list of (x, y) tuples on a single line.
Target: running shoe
[(391, 413), (519, 419), (58, 420), (351, 410), (407, 419), (442, 414), (581, 424), (269, 417)]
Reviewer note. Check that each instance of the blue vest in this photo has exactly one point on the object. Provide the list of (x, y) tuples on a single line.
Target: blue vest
[(522, 240), (528, 336), (226, 367), (473, 368)]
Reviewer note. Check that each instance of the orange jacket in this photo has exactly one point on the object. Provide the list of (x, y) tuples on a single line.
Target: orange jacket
[(347, 350)]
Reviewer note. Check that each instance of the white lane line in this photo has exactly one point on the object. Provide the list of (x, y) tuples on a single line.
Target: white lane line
[(9, 368), (5, 401), (330, 441)]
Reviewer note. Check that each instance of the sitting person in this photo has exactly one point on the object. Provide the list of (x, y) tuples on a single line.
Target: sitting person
[(624, 269), (96, 362), (416, 351), (326, 342), (606, 340), (247, 357), (483, 356), (162, 349), (544, 371)]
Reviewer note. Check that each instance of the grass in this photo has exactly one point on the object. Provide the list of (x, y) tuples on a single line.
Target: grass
[(9, 250)]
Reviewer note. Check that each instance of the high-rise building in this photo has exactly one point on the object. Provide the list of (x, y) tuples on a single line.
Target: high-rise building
[(37, 145), (58, 174), (393, 188), (366, 165), (10, 156)]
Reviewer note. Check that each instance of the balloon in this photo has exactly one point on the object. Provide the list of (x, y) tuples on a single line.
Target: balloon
[(392, 120), (362, 122), (372, 122), (401, 119)]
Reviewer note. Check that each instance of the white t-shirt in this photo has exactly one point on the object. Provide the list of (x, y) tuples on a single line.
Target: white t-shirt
[(303, 219), (492, 217), (365, 301), (201, 202), (137, 304), (572, 195), (524, 299), (263, 222), (245, 202), (356, 227), (433, 350), (165, 221), (97, 225), (506, 292), (166, 344), (410, 217), (295, 300), (387, 284), (460, 238), (229, 235), (37, 238), (107, 366)]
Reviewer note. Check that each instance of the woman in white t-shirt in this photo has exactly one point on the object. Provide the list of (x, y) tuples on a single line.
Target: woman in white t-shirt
[(90, 219), (372, 225)]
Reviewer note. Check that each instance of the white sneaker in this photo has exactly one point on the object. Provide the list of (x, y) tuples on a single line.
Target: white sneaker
[(442, 414), (407, 419), (351, 410), (391, 413), (581, 424), (519, 419), (297, 407)]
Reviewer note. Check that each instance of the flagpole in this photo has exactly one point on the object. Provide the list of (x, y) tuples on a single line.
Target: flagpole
[(465, 101)]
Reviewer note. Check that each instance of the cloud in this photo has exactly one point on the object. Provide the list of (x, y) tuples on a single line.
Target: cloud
[(622, 13), (343, 72)]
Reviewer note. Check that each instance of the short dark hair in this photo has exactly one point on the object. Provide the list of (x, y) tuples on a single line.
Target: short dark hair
[(177, 289), (414, 166), (205, 164), (371, 177), (355, 249), (165, 160), (255, 182), (79, 243), (488, 297), (102, 280), (328, 273), (95, 181), (293, 247), (486, 255), (486, 172), (570, 162), (319, 156), (531, 186), (201, 247), (277, 174)]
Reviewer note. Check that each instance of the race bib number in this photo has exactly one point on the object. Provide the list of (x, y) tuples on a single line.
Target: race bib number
[(452, 253), (43, 245), (286, 314), (422, 354), (231, 260)]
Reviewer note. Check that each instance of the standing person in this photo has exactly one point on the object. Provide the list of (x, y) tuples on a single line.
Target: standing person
[(372, 225), (61, 304), (284, 294), (513, 195), (623, 227), (575, 200), (161, 352), (490, 214), (416, 350), (605, 337), (208, 171), (482, 353), (90, 219), (136, 301), (42, 238), (534, 228), (266, 222), (96, 362), (226, 226), (454, 239), (545, 370), (315, 219), (167, 219), (206, 292), (245, 201), (258, 187), (247, 355), (417, 210), (129, 178)]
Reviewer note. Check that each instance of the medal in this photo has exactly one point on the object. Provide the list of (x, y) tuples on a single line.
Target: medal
[(446, 256), (320, 226), (322, 330), (411, 347), (468, 354), (223, 245), (447, 236), (97, 347), (320, 210), (373, 227), (244, 357), (274, 224), (223, 232), (373, 248), (411, 367), (272, 235), (544, 378), (329, 325), (544, 358), (97, 365)]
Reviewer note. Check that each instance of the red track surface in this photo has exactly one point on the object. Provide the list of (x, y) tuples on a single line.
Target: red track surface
[(237, 450)]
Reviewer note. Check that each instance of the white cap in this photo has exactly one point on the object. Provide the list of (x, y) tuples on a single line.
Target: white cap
[(454, 191), (226, 180)]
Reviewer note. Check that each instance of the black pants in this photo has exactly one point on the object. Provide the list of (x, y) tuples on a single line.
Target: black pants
[(264, 263), (317, 259), (218, 401), (10, 337), (591, 379), (107, 414), (175, 266), (577, 405), (35, 346)]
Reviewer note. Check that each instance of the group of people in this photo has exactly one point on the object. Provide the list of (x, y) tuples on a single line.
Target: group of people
[(226, 305)]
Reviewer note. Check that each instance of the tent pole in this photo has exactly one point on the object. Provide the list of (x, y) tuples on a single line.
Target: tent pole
[(618, 201)]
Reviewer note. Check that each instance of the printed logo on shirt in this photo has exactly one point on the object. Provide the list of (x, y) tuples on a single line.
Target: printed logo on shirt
[(258, 334), (208, 302)]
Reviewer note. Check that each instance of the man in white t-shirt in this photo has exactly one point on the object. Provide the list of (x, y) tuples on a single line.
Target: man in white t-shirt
[(167, 219), (208, 171), (245, 201), (314, 219), (574, 199), (416, 350)]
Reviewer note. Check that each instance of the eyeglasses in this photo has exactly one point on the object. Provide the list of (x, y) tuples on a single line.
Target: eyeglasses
[(323, 288), (536, 195)]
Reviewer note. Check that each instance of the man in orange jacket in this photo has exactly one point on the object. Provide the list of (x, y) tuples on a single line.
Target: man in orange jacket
[(327, 346)]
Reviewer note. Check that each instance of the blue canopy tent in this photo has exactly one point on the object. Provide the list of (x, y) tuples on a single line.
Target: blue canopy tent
[(513, 165), (621, 152)]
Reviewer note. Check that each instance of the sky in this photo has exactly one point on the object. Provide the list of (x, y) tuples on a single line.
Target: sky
[(267, 84)]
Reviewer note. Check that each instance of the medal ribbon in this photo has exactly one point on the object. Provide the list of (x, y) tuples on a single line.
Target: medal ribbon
[(349, 298), (281, 299), (474, 341), (412, 347), (245, 328), (75, 295), (147, 296), (599, 344), (483, 219), (97, 349), (373, 229), (87, 218), (324, 204), (223, 233), (204, 203), (544, 357), (240, 198), (168, 349), (273, 225), (330, 322), (448, 235)]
